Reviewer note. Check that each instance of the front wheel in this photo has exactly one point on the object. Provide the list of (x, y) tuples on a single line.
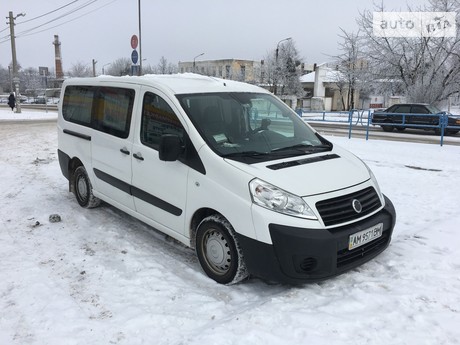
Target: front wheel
[(83, 189), (218, 251)]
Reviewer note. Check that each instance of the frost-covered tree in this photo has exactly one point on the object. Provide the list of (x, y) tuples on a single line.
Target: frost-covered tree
[(119, 67), (281, 69), (80, 69), (350, 67), (165, 67), (5, 82), (426, 69), (31, 80)]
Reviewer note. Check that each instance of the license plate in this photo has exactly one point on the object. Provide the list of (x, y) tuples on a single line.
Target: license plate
[(360, 238)]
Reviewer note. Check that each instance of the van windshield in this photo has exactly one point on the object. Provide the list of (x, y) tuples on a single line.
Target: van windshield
[(250, 127)]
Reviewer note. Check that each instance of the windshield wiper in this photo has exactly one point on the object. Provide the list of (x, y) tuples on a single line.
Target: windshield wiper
[(245, 154), (305, 148)]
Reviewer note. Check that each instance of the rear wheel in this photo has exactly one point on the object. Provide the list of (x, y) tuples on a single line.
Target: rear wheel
[(83, 189), (218, 251), (400, 129), (387, 128), (437, 131)]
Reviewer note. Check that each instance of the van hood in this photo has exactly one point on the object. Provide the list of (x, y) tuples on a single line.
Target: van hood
[(310, 174)]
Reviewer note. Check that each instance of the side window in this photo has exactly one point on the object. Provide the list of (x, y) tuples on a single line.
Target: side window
[(113, 111), (402, 109), (157, 119), (78, 104), (420, 109)]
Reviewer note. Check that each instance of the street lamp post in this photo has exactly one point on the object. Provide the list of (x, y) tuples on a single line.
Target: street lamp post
[(195, 59), (103, 73), (276, 62)]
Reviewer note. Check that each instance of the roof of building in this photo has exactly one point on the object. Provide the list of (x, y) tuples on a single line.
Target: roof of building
[(328, 75)]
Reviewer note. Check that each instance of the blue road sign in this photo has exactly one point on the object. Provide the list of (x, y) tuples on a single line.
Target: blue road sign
[(134, 56)]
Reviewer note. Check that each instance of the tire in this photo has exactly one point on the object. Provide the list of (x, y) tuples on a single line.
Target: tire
[(83, 189), (387, 128), (218, 251), (400, 129)]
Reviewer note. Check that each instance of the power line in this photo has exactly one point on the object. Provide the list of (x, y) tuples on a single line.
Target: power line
[(69, 21), (30, 32), (43, 15), (40, 16), (57, 18)]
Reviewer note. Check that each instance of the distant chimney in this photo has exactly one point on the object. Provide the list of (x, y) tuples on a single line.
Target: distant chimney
[(57, 57)]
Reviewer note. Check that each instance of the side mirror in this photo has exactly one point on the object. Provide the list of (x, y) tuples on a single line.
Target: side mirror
[(265, 123), (170, 147)]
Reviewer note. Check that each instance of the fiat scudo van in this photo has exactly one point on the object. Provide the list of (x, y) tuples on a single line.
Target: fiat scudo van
[(225, 168)]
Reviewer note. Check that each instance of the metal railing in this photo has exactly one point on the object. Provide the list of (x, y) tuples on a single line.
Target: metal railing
[(440, 125), (361, 117)]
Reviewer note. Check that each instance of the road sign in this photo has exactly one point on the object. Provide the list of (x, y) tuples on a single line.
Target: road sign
[(134, 56), (134, 41)]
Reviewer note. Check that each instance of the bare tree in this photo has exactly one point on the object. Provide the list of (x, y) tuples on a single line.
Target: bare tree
[(352, 75), (426, 69), (80, 69), (165, 67), (5, 79), (120, 67), (281, 70), (31, 80)]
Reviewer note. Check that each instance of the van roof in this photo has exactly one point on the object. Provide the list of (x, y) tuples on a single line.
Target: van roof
[(177, 83)]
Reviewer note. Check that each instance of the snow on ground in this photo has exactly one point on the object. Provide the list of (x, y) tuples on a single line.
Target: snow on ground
[(102, 277), (27, 114)]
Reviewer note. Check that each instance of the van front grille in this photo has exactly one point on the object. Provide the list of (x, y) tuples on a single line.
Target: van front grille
[(346, 257), (340, 210)]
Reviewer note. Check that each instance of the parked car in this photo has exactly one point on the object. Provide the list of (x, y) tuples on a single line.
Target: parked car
[(402, 116)]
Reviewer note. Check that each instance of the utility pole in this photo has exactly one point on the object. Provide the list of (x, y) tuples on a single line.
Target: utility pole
[(94, 67), (140, 38), (11, 20)]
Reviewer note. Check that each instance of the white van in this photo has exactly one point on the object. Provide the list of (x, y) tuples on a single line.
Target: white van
[(225, 168)]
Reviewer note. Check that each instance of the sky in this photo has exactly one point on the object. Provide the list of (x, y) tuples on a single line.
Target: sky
[(178, 30), (102, 277)]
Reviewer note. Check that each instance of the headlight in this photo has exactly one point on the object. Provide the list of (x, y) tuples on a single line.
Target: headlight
[(266, 195), (374, 180)]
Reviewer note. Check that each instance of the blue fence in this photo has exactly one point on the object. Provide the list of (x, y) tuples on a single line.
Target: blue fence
[(364, 118)]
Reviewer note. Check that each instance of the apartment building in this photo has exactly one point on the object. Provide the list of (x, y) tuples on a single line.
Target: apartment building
[(234, 69)]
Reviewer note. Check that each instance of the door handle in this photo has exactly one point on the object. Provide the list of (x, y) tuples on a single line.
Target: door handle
[(138, 156), (124, 150)]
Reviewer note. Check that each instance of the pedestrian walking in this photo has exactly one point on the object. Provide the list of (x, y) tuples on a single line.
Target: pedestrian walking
[(12, 101)]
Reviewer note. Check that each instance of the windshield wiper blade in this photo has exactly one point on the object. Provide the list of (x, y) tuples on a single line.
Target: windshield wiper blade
[(245, 154), (304, 148)]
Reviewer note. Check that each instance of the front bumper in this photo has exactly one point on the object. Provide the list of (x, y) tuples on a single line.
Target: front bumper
[(300, 255)]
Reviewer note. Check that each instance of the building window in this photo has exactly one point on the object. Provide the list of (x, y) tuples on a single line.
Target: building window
[(243, 73)]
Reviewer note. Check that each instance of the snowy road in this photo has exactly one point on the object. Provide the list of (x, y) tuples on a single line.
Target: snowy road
[(102, 277)]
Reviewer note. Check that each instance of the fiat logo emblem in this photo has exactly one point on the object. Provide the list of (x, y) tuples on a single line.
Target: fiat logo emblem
[(357, 206)]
